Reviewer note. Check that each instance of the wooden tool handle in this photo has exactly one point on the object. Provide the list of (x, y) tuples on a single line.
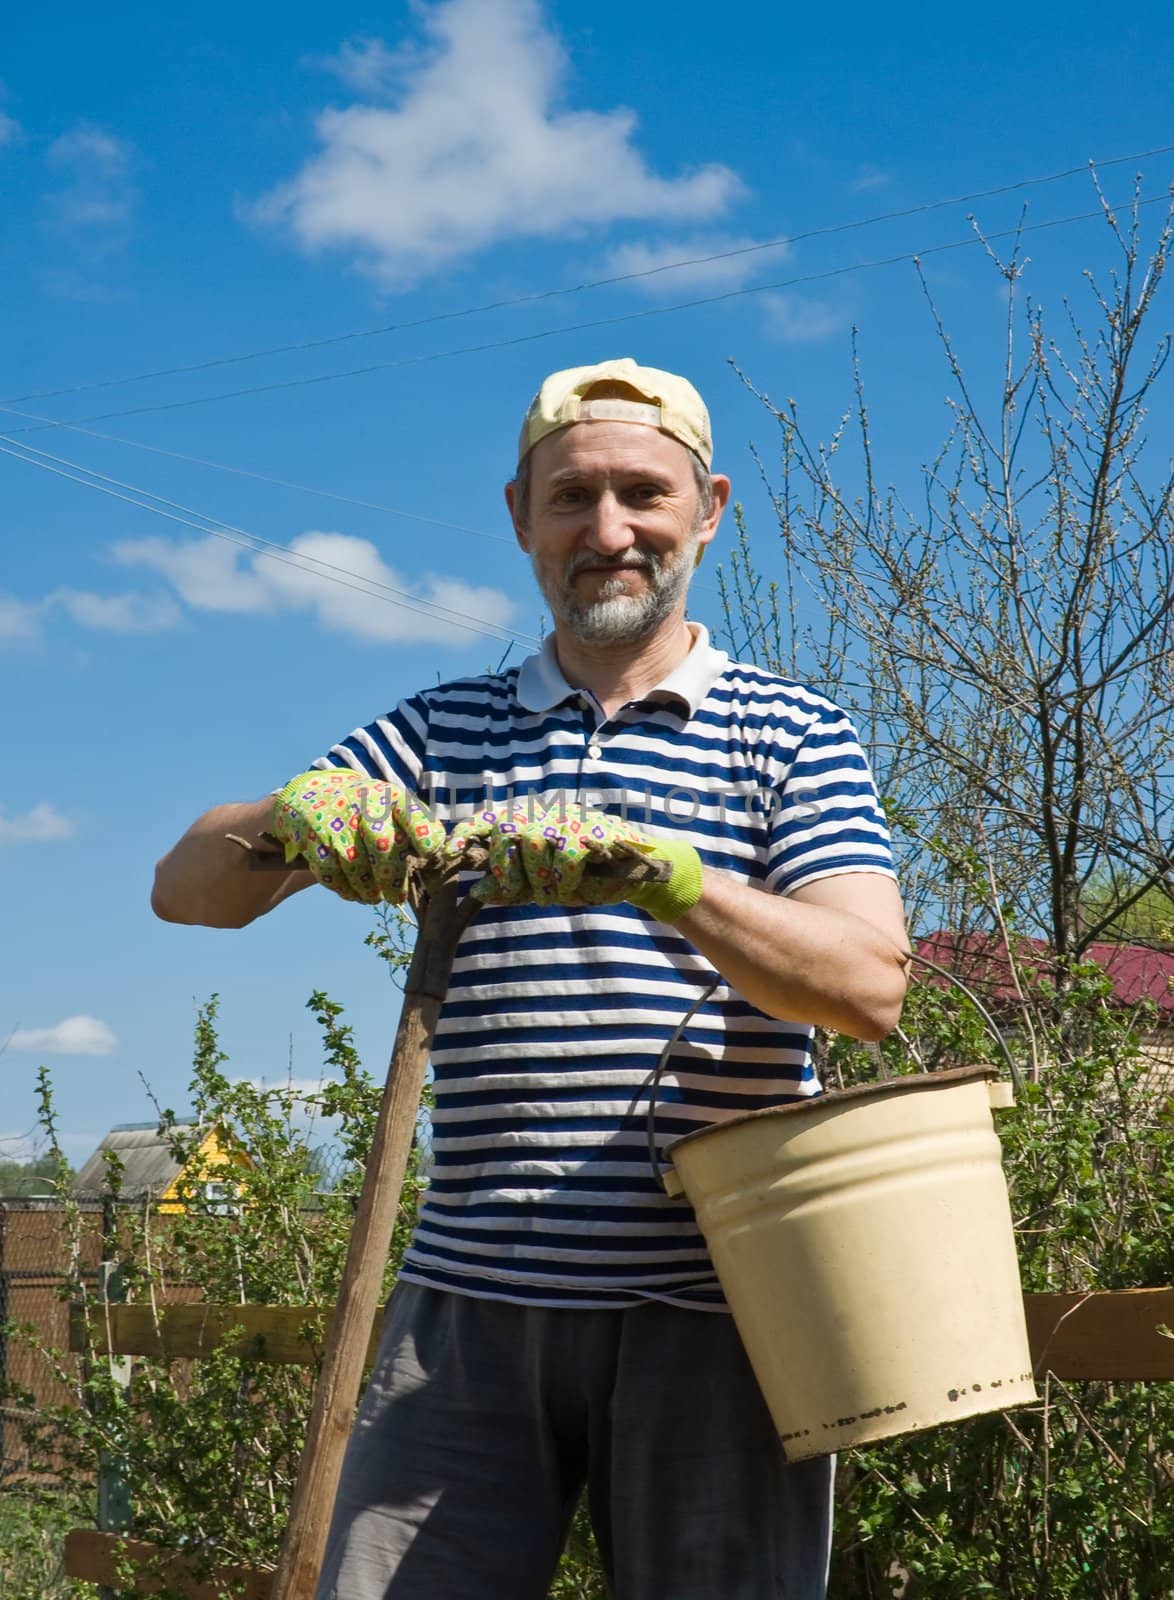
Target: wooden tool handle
[(338, 1384), (443, 918), (474, 858)]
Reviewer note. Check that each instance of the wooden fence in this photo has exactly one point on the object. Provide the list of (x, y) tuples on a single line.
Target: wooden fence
[(1121, 1336)]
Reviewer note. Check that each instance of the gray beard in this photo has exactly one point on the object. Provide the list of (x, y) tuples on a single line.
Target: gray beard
[(616, 617)]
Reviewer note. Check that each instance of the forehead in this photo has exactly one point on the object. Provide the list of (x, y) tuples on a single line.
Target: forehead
[(601, 449)]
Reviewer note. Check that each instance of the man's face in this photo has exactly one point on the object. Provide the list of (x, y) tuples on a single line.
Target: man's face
[(614, 527)]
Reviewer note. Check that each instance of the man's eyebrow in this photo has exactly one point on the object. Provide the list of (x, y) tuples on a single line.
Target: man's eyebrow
[(565, 475)]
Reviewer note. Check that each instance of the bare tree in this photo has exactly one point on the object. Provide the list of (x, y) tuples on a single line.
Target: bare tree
[(1007, 642)]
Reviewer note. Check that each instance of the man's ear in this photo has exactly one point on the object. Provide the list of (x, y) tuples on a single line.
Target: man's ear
[(719, 502), (511, 498)]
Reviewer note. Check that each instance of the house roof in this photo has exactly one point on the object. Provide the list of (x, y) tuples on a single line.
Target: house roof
[(147, 1160), (1138, 972)]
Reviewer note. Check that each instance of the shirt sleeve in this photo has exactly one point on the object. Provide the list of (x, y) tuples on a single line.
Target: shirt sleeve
[(827, 817), (391, 749)]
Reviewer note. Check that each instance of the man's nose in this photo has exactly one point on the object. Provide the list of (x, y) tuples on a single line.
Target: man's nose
[(610, 532)]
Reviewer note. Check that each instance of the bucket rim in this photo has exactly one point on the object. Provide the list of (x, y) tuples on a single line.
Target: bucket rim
[(948, 1077)]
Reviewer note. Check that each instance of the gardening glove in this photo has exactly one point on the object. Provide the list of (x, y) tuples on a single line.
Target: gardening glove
[(358, 836), (545, 858)]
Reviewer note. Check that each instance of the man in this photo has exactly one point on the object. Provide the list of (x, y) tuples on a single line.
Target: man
[(558, 1323)]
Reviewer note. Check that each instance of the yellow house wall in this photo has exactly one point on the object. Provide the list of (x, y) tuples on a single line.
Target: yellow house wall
[(215, 1161)]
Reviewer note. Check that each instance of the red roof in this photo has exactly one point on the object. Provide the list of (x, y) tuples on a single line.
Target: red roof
[(980, 959)]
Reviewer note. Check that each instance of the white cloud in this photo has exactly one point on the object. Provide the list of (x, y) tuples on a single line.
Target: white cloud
[(476, 148), (870, 178), (206, 573), (369, 616), (296, 1098), (19, 619), (209, 575), (87, 144), (796, 320), (107, 613), (729, 273), (293, 1089), (332, 582), (40, 825), (368, 67), (73, 1036), (97, 193), (118, 613)]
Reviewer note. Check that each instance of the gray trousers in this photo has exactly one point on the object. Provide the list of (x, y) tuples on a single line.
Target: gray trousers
[(483, 1421)]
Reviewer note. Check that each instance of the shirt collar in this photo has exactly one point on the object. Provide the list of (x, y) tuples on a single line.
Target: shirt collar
[(541, 684)]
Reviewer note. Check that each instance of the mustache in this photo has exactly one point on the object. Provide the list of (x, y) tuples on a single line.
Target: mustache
[(631, 560)]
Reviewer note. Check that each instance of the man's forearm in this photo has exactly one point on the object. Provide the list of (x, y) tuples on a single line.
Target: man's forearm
[(204, 879), (807, 963)]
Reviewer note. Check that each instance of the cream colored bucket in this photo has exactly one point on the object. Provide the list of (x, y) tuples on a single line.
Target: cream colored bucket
[(864, 1243)]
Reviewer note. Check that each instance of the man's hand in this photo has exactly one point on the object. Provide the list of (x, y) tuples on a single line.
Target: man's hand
[(545, 859), (358, 836)]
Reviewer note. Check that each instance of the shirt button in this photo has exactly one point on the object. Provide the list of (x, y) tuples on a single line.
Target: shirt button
[(594, 752)]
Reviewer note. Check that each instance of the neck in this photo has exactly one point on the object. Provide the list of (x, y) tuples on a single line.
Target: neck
[(617, 673)]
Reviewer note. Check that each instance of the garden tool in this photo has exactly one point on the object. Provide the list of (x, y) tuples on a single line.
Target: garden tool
[(442, 915)]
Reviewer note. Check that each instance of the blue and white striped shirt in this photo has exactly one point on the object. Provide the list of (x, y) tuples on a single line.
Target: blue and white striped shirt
[(540, 1189)]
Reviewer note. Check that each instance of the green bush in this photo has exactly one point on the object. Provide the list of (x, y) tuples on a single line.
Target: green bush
[(32, 1527), (1073, 1498), (1069, 1499), (208, 1451)]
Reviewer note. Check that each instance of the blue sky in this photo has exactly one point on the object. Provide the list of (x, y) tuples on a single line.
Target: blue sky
[(184, 191)]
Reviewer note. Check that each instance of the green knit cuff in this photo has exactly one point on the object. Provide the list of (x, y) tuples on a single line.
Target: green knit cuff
[(668, 902)]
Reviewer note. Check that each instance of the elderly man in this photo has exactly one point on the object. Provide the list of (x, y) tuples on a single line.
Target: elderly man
[(558, 1325)]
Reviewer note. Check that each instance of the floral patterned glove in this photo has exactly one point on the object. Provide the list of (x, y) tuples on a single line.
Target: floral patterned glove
[(357, 835), (544, 859)]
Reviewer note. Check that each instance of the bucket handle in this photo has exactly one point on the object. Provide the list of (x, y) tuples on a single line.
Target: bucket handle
[(652, 1083), (996, 1031), (667, 1179)]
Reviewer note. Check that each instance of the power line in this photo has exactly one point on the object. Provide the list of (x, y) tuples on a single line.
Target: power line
[(264, 477), (618, 320), (318, 567), (258, 477), (536, 296), (257, 545)]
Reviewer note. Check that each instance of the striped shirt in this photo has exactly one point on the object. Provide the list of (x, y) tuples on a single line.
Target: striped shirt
[(540, 1188)]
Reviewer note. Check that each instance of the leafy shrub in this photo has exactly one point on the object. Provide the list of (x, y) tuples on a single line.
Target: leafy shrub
[(1073, 1498), (208, 1450), (1069, 1499), (32, 1527)]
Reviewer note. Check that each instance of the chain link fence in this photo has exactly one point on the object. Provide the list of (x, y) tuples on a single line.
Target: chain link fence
[(40, 1253)]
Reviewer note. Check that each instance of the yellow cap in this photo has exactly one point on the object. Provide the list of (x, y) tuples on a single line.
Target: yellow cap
[(619, 391)]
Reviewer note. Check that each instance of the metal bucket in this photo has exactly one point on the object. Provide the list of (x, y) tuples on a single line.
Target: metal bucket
[(864, 1242)]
